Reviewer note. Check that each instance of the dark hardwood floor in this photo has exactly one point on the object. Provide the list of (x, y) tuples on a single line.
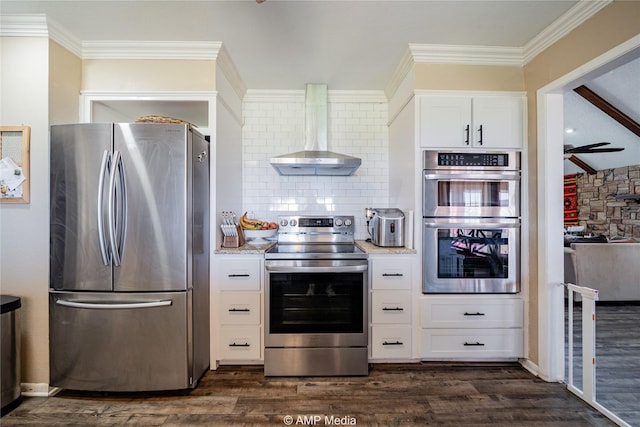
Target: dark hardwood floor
[(617, 358), (393, 394)]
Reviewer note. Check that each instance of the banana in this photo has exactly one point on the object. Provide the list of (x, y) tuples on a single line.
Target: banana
[(249, 224)]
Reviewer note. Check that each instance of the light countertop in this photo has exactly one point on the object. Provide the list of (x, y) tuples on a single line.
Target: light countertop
[(370, 248), (366, 247)]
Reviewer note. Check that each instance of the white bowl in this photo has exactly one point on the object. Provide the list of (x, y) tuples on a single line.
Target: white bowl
[(259, 236)]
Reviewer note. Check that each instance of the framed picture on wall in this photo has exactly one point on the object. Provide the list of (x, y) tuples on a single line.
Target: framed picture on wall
[(14, 164)]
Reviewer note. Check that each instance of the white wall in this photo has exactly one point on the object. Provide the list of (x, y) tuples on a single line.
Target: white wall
[(274, 125), (24, 228)]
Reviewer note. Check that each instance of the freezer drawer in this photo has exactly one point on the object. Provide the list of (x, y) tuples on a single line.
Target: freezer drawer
[(121, 342)]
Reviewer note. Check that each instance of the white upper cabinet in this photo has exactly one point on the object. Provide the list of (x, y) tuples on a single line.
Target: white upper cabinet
[(478, 121)]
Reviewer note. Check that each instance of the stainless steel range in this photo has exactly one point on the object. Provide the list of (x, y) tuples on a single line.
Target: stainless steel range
[(316, 299)]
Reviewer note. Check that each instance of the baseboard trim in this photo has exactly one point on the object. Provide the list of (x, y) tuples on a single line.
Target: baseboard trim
[(530, 366), (38, 390)]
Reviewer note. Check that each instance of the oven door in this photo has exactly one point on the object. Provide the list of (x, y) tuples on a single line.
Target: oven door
[(459, 193), (471, 256), (319, 303)]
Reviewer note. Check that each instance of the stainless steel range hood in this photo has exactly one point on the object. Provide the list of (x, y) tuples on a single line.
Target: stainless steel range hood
[(315, 159)]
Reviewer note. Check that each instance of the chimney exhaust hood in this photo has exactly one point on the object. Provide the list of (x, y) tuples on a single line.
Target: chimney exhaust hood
[(315, 159)]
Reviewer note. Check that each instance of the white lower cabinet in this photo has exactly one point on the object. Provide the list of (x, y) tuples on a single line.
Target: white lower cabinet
[(238, 305), (471, 343), (391, 342), (471, 328), (391, 284), (240, 342)]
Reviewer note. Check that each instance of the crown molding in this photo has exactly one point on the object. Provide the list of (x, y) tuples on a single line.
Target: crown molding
[(228, 68), (24, 25), (457, 54), (115, 49), (65, 39), (559, 28)]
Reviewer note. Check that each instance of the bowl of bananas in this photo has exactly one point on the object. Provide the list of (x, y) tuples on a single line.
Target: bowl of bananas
[(256, 231)]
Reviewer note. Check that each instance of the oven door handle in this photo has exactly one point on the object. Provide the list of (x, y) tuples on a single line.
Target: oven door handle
[(322, 269), (478, 225), (470, 176)]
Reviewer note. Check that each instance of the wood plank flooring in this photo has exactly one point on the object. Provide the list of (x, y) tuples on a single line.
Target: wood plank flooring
[(392, 395), (617, 358)]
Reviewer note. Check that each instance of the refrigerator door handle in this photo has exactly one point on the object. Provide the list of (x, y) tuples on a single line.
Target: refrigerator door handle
[(104, 166), (113, 306), (115, 252), (122, 217)]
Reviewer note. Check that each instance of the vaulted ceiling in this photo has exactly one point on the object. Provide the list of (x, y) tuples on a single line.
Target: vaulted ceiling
[(354, 45)]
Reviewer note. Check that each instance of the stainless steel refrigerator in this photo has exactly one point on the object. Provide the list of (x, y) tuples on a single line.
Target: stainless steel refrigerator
[(129, 257)]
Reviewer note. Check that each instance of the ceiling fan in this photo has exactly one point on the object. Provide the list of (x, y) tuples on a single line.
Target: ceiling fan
[(571, 151)]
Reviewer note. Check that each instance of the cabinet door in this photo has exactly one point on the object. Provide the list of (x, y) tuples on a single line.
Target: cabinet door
[(391, 342), (471, 313), (471, 344), (240, 342), (497, 122), (388, 307), (445, 122), (391, 273), (240, 308), (237, 273)]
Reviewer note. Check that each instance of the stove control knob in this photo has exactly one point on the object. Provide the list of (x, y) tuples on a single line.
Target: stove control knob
[(338, 222), (283, 222), (347, 222), (293, 223)]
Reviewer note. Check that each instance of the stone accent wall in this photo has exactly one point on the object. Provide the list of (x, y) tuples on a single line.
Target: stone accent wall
[(604, 203)]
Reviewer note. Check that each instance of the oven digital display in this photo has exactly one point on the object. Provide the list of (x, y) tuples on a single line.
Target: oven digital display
[(315, 222), (473, 159)]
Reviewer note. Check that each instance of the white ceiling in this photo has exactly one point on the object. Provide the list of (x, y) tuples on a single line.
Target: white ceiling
[(284, 44), (350, 45)]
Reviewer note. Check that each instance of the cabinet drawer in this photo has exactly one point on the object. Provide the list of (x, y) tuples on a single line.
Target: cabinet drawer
[(388, 307), (239, 308), (240, 342), (391, 342), (470, 313), (237, 274), (471, 343), (391, 273)]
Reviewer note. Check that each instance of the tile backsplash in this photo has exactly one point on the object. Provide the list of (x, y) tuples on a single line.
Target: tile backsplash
[(274, 125)]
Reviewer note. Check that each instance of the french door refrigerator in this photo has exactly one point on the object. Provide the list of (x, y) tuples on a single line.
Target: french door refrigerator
[(129, 257)]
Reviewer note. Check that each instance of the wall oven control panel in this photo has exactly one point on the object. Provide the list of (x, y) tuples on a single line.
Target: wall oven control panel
[(473, 159)]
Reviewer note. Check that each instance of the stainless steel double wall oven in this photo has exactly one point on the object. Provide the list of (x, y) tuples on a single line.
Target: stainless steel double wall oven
[(316, 299), (471, 222)]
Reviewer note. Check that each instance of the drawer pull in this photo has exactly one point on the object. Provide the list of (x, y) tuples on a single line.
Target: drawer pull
[(392, 309), (392, 343), (239, 275), (474, 314), (474, 344), (242, 310), (233, 344), (392, 274)]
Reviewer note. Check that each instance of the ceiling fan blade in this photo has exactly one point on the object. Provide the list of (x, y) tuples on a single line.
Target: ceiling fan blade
[(585, 147), (582, 165), (598, 150)]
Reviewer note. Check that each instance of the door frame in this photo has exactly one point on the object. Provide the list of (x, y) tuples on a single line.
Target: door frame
[(550, 120)]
